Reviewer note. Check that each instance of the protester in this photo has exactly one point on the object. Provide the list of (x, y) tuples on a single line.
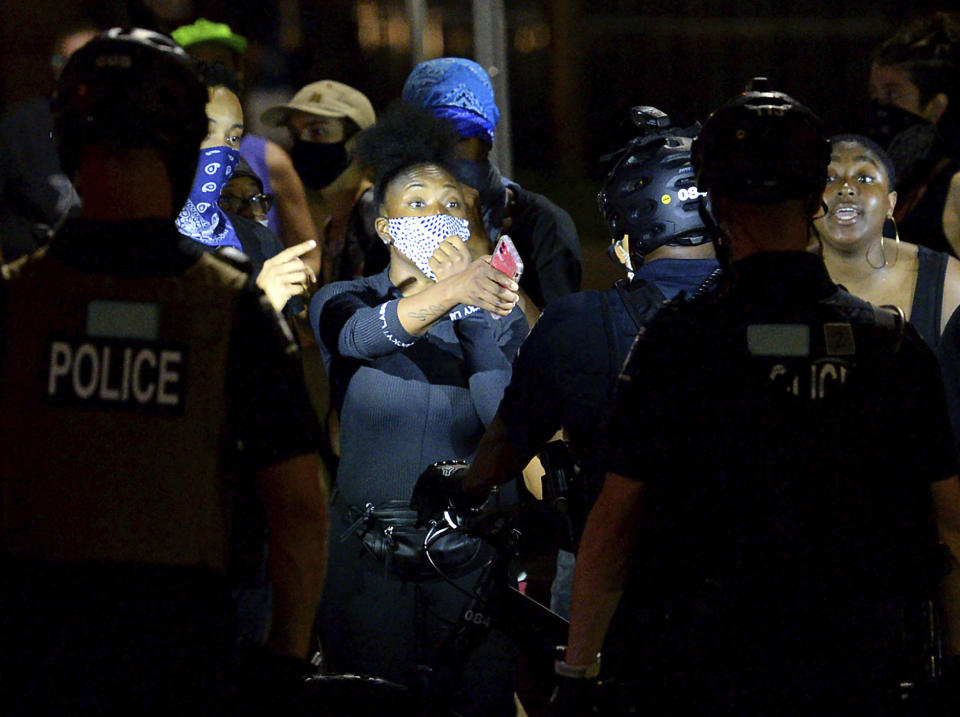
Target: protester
[(418, 357), (862, 248), (915, 117), (323, 119), (459, 91), (289, 218)]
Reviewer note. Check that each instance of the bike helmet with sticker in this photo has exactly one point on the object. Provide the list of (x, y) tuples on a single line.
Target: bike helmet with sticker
[(132, 88), (651, 193)]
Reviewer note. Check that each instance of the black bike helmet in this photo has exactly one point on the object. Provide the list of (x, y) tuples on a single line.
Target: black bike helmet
[(762, 147), (651, 194), (130, 88)]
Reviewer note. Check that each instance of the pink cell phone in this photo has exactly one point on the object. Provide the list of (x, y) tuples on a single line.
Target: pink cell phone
[(507, 259)]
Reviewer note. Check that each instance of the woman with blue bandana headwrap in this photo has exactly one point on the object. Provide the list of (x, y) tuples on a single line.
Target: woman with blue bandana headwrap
[(418, 357), (459, 91)]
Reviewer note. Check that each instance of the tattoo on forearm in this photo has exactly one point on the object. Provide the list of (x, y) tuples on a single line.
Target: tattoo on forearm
[(427, 313)]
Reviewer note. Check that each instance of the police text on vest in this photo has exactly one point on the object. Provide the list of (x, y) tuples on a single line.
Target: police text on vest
[(140, 375)]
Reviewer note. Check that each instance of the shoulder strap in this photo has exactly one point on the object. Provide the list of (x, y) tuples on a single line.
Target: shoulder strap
[(928, 295), (628, 305), (610, 332)]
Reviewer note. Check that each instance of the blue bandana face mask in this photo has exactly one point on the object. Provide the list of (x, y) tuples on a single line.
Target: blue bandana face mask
[(417, 238), (201, 218)]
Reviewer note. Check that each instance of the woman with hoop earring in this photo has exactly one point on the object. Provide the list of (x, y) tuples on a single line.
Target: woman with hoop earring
[(863, 251)]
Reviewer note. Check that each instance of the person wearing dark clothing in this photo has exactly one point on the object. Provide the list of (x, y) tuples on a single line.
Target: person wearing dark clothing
[(459, 91), (547, 240), (33, 188), (914, 115), (417, 364), (566, 371), (777, 450), (862, 248), (926, 312), (35, 194), (935, 212), (149, 390)]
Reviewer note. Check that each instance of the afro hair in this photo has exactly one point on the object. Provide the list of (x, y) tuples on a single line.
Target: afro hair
[(404, 136)]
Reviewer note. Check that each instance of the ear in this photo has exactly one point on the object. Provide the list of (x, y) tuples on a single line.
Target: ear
[(935, 108), (892, 200), (621, 247), (380, 224)]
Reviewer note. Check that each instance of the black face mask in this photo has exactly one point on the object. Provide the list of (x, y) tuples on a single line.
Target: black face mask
[(487, 180), (912, 142), (319, 163)]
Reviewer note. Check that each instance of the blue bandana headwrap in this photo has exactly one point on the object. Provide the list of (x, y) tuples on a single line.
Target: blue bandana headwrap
[(458, 90)]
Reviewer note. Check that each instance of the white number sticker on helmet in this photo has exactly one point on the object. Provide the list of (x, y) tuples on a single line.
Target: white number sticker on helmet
[(691, 193)]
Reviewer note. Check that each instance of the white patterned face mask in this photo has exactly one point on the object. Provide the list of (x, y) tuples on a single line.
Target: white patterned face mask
[(418, 237)]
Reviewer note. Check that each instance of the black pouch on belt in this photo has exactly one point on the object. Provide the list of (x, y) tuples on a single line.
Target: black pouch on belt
[(389, 534)]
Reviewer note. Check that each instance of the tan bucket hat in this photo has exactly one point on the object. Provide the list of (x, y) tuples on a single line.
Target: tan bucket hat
[(326, 98)]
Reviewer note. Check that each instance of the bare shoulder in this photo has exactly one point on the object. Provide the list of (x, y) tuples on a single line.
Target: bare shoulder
[(951, 291), (955, 187), (951, 214)]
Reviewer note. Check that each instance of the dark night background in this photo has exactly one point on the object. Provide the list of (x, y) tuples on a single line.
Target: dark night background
[(575, 66)]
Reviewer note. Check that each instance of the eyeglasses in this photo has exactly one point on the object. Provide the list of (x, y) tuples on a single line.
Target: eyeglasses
[(235, 204)]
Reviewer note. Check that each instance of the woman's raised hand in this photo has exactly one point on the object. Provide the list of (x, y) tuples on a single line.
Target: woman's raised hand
[(475, 282), (451, 257)]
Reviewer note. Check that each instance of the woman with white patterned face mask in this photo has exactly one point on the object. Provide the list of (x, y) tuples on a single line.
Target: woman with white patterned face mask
[(418, 357), (423, 221)]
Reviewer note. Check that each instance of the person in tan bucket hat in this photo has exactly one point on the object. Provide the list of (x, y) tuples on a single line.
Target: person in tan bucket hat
[(323, 119)]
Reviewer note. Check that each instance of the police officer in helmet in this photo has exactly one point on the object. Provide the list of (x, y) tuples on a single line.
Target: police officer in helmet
[(137, 377), (568, 366), (779, 447)]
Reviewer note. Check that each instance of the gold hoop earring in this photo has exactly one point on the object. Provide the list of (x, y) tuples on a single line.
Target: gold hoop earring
[(889, 231)]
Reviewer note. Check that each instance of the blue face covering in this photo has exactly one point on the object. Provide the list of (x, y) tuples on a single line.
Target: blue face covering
[(201, 218)]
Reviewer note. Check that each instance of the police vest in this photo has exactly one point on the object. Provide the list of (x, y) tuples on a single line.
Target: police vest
[(113, 413)]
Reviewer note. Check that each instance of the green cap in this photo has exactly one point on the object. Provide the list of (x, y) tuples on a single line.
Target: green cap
[(205, 31)]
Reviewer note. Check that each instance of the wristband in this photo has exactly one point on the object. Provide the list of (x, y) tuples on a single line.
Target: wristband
[(575, 672)]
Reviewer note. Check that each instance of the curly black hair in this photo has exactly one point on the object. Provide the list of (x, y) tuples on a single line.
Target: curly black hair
[(404, 136), (216, 74)]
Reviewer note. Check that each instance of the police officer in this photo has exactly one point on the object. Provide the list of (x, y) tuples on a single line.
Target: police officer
[(566, 370), (135, 375), (779, 445)]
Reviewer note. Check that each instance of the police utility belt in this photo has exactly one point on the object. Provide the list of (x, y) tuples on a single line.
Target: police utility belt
[(387, 533)]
